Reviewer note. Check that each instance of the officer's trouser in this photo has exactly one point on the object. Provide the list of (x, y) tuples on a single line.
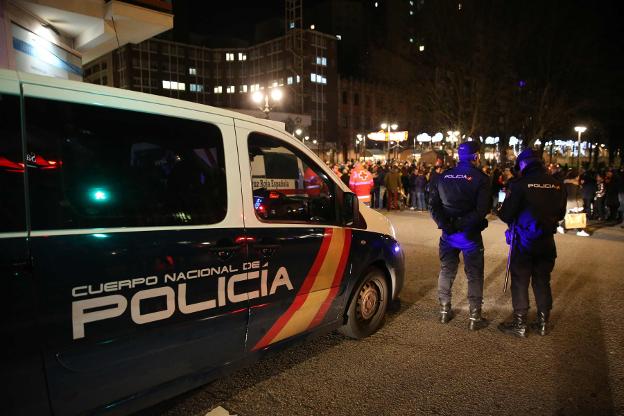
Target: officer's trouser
[(534, 266), (472, 250)]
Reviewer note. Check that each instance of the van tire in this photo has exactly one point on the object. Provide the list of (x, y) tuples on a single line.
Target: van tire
[(367, 308)]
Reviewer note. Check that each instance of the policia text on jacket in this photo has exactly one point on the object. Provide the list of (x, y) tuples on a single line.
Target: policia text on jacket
[(147, 244)]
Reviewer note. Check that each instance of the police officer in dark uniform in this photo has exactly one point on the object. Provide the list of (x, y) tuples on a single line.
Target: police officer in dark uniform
[(533, 207), (459, 201)]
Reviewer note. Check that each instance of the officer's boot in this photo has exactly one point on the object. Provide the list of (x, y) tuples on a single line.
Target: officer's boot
[(517, 326), (446, 313), (542, 323), (477, 321)]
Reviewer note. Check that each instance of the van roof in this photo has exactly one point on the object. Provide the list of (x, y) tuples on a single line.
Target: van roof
[(132, 95)]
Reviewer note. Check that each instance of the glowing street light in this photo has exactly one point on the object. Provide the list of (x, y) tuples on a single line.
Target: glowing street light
[(389, 127), (259, 98), (362, 138), (580, 130)]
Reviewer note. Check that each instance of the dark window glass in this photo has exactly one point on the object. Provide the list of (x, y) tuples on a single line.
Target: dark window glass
[(93, 166), (356, 99), (287, 185), (345, 98), (12, 213)]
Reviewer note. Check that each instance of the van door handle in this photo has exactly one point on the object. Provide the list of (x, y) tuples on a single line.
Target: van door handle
[(266, 250), (224, 252)]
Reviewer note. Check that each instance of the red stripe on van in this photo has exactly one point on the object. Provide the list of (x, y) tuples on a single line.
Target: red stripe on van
[(301, 295), (320, 315)]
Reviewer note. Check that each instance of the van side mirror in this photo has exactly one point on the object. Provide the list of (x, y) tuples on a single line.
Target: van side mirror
[(350, 209)]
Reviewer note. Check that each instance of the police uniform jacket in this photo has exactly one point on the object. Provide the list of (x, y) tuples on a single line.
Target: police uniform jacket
[(535, 203), (460, 199)]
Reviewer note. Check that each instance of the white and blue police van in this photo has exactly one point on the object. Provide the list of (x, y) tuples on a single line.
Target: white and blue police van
[(148, 245)]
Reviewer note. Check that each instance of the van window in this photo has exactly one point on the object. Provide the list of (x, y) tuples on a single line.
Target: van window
[(12, 213), (93, 167), (287, 185)]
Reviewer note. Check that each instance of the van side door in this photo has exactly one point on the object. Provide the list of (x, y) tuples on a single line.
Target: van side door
[(292, 218), (135, 213), (22, 365)]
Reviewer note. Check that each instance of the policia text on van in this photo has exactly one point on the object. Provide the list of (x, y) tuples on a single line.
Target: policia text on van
[(147, 243)]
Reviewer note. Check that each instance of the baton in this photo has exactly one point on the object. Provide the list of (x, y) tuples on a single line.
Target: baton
[(511, 244)]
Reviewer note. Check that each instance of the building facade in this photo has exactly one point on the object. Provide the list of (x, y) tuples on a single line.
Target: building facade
[(226, 77), (365, 105)]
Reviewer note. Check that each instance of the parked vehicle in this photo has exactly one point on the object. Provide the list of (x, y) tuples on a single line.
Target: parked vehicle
[(148, 244)]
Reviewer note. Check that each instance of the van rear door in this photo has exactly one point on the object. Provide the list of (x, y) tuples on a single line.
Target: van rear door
[(135, 212), (22, 365)]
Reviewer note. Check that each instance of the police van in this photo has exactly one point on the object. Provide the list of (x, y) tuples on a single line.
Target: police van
[(149, 244)]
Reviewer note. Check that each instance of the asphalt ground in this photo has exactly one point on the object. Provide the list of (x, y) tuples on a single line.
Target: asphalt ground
[(417, 366)]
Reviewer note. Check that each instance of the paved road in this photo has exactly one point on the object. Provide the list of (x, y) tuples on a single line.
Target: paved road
[(415, 365)]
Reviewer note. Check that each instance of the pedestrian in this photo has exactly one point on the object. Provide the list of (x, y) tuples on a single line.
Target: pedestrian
[(599, 198), (421, 185), (535, 203), (574, 200), (380, 186), (345, 176), (611, 196), (393, 186), (459, 202), (588, 191), (361, 183), (413, 199)]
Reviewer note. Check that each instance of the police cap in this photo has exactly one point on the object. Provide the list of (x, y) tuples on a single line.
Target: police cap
[(467, 150), (528, 156)]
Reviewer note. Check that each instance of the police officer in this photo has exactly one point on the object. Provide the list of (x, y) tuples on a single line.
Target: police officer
[(459, 201), (533, 207)]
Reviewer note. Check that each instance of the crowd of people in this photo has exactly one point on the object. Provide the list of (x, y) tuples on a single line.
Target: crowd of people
[(398, 184)]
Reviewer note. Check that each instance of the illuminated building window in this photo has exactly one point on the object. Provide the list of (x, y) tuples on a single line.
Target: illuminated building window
[(218, 89), (298, 79), (196, 88), (230, 89), (173, 85), (192, 71), (242, 56), (289, 80), (421, 48), (313, 77), (321, 60), (229, 56), (243, 88)]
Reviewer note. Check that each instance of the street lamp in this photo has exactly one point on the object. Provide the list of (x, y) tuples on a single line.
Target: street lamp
[(580, 130), (259, 97), (297, 133), (388, 126), (362, 138)]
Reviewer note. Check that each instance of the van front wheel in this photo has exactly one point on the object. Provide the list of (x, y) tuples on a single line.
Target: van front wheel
[(367, 309)]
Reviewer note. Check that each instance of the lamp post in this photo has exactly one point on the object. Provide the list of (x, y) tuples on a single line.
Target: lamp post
[(580, 130), (362, 138), (390, 127), (258, 97), (297, 133)]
